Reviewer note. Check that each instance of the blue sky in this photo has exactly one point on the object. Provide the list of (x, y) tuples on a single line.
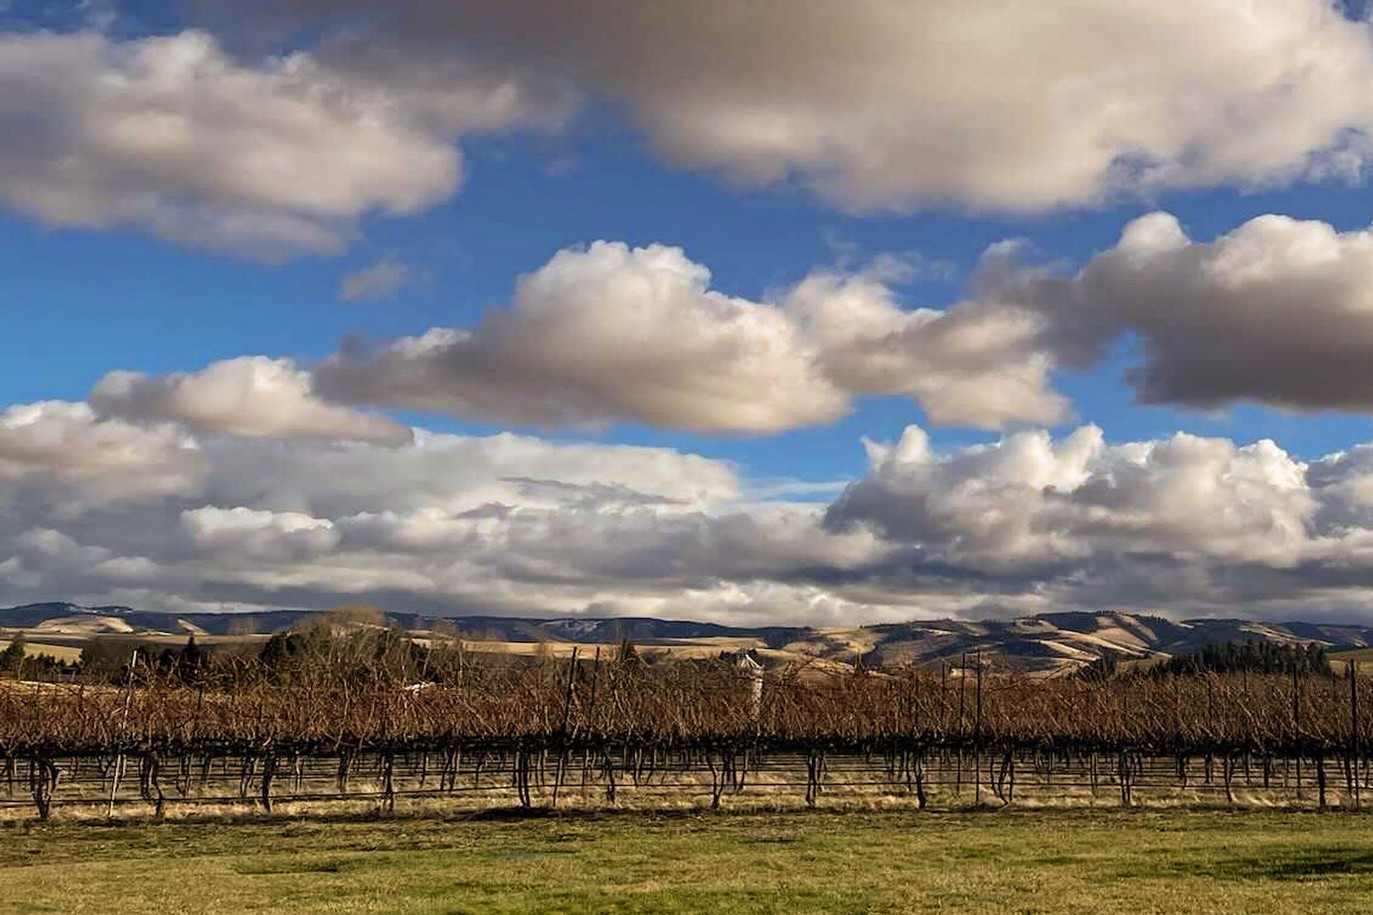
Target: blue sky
[(186, 190)]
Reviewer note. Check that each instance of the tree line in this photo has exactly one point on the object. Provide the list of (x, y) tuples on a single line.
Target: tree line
[(1251, 656)]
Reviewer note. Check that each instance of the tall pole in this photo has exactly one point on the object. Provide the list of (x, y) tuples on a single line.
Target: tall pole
[(1354, 729), (123, 726), (1296, 724), (977, 737)]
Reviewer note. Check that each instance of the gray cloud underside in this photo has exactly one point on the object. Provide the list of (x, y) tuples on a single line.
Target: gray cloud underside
[(877, 105), (872, 105), (1277, 311)]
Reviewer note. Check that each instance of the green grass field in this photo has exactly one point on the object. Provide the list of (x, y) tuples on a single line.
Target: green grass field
[(1010, 861)]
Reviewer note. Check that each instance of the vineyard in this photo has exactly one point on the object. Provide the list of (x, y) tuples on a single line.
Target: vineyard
[(585, 732)]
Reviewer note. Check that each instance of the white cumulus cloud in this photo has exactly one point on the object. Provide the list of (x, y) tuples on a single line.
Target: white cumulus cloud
[(614, 333), (67, 447), (250, 395), (267, 158), (1027, 500)]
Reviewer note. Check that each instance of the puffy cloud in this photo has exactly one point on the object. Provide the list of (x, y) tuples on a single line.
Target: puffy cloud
[(1278, 311), (611, 332), (1027, 501), (249, 396), (881, 105), (1184, 525), (447, 523), (976, 364), (67, 447), (171, 134), (618, 333), (382, 280), (45, 547), (277, 536)]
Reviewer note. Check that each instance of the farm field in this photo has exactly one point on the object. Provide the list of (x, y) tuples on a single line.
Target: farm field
[(1007, 861)]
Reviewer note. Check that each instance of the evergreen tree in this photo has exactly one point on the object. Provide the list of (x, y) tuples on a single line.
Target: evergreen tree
[(12, 658), (1250, 656)]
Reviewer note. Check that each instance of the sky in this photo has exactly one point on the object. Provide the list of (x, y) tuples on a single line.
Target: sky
[(746, 311)]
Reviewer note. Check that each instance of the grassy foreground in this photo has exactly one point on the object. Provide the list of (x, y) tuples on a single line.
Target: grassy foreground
[(1011, 861)]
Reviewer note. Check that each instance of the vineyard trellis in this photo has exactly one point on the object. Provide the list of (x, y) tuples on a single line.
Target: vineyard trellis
[(551, 731)]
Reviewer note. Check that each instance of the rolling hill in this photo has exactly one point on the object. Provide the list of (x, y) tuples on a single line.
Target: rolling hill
[(1045, 644)]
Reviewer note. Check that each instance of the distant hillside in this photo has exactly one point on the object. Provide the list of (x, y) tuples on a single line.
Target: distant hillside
[(52, 615), (1048, 643)]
